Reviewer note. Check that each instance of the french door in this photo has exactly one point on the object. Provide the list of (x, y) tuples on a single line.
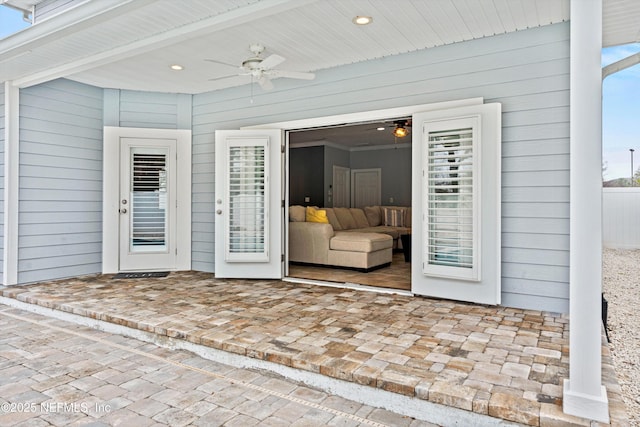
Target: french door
[(249, 204), (456, 204), (147, 204)]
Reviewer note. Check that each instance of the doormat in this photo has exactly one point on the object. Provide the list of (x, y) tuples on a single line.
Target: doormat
[(141, 275)]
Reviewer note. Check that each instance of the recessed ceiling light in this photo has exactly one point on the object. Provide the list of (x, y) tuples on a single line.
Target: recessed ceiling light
[(362, 20), (176, 67)]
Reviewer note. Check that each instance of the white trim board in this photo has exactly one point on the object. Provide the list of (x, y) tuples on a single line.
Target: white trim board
[(366, 115), (11, 183)]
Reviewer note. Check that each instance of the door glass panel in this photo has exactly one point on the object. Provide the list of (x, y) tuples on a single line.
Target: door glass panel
[(450, 196), (247, 232), (148, 202)]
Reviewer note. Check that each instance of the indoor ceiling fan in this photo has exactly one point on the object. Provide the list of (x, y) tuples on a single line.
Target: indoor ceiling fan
[(263, 69)]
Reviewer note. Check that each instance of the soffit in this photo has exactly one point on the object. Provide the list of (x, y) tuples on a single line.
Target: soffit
[(131, 45), (620, 22)]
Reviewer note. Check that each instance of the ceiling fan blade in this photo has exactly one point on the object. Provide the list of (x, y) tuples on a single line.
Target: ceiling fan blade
[(272, 61), (265, 83), (221, 63), (292, 74)]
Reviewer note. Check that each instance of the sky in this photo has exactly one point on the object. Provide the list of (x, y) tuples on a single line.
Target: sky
[(620, 100)]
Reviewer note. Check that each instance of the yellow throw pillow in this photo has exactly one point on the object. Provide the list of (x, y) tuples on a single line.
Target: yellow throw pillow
[(316, 215)]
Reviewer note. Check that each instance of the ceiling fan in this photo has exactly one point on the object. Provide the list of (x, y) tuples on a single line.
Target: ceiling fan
[(263, 69)]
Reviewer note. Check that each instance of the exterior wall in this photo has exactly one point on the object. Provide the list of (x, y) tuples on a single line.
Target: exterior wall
[(621, 218), (2, 126), (153, 110), (526, 71), (60, 219)]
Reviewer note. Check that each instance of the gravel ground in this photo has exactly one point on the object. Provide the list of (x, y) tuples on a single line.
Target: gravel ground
[(621, 286)]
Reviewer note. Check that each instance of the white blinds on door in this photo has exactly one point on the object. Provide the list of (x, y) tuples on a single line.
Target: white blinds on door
[(149, 202), (247, 231), (451, 211)]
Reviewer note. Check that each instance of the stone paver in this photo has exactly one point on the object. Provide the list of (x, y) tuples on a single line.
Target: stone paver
[(466, 356), (95, 392)]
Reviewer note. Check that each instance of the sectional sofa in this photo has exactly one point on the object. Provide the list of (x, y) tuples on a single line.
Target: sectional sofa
[(357, 238)]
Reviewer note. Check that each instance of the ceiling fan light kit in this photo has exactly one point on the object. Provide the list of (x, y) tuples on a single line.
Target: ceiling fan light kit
[(400, 131)]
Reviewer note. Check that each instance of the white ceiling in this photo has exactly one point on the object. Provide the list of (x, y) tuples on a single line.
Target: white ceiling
[(129, 44)]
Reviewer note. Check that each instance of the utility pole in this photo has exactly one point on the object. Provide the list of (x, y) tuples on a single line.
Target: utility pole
[(631, 150)]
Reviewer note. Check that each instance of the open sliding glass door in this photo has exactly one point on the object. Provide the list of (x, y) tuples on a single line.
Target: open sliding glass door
[(248, 204), (456, 204)]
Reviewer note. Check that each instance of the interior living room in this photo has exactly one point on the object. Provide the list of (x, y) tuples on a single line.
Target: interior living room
[(350, 204)]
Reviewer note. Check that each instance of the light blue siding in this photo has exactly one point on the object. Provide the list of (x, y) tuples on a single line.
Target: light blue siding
[(151, 110), (526, 71), (2, 127), (60, 221)]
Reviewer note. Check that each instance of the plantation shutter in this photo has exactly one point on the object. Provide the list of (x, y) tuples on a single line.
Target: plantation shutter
[(247, 228), (452, 214), (149, 202)]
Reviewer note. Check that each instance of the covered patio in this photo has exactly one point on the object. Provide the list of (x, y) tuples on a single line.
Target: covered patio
[(437, 360)]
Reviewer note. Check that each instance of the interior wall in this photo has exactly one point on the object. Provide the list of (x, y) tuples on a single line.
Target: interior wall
[(306, 171), (395, 164)]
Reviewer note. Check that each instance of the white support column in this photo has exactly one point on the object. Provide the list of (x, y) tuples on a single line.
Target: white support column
[(11, 160), (584, 394)]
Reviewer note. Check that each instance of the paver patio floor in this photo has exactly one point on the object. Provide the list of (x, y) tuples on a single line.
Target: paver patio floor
[(502, 362)]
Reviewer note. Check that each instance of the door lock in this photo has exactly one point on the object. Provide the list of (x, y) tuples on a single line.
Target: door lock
[(123, 210)]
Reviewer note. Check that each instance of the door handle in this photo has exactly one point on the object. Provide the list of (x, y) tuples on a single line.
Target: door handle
[(123, 211)]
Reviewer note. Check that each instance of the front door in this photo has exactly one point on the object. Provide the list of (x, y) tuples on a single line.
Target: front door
[(147, 204), (249, 204)]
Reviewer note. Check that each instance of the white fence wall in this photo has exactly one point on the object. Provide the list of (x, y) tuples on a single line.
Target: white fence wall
[(621, 218)]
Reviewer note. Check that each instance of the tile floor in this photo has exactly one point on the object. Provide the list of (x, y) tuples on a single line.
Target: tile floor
[(501, 362), (395, 276)]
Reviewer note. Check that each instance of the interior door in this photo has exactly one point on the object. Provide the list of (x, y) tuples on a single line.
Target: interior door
[(249, 204), (366, 187), (341, 187), (147, 204), (456, 204)]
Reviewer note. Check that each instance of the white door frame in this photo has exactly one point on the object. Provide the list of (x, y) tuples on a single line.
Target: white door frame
[(111, 193), (350, 118)]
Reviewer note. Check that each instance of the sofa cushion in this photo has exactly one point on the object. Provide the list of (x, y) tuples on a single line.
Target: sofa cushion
[(359, 217), (393, 216), (297, 213), (333, 219), (345, 218), (360, 242), (373, 215), (394, 232), (316, 215)]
